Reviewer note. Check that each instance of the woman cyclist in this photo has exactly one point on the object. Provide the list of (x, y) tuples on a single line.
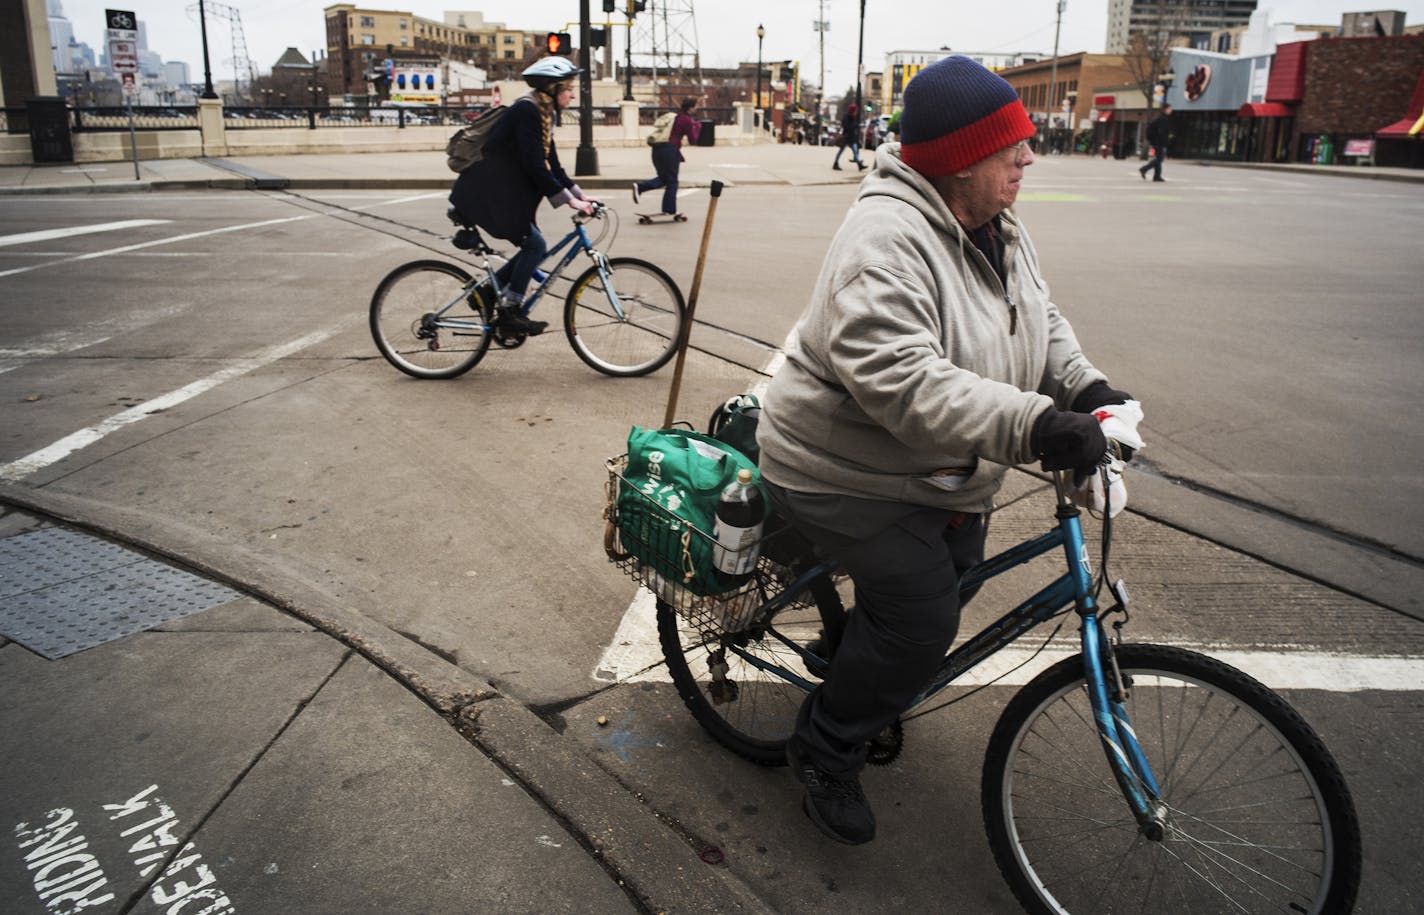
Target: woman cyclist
[(501, 192)]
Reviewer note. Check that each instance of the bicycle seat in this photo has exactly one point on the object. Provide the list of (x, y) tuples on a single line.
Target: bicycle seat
[(467, 238)]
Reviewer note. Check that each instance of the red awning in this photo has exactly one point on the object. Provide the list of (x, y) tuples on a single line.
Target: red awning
[(1263, 110), (1416, 107), (1397, 129)]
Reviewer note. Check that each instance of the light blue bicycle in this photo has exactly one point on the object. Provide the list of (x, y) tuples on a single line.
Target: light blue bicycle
[(1127, 778), (622, 315)]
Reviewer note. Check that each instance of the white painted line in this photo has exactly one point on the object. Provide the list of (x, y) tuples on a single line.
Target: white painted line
[(17, 470), (636, 656), (25, 238), (628, 653), (159, 241)]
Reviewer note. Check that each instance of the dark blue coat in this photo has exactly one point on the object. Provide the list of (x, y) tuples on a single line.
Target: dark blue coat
[(501, 192)]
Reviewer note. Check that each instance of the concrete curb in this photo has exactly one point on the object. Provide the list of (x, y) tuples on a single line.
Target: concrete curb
[(657, 862), (1359, 171)]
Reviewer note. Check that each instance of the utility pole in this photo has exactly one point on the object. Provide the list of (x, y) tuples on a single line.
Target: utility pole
[(859, 74), (1053, 77), (821, 26)]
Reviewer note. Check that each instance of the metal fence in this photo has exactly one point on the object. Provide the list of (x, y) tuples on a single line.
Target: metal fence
[(15, 119)]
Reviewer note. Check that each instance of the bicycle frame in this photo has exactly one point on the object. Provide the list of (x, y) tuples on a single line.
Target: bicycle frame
[(576, 240), (1125, 757)]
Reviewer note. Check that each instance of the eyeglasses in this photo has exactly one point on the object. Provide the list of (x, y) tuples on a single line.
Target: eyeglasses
[(1018, 151)]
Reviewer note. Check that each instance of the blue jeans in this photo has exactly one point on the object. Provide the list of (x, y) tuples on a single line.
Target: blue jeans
[(668, 161), (854, 153), (515, 275)]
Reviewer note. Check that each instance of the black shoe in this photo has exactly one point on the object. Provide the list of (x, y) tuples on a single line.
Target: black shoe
[(1159, 179), (835, 168), (637, 194), (511, 319), (1142, 174), (838, 808), (860, 165)]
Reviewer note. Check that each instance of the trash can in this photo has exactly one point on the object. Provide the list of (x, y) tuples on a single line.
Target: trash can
[(708, 133), (49, 129)]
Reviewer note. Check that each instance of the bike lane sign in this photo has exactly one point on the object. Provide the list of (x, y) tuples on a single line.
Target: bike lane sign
[(121, 29)]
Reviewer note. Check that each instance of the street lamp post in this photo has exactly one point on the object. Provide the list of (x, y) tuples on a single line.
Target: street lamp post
[(207, 68), (761, 33)]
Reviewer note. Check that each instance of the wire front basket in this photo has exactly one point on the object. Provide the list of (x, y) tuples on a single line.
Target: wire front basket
[(655, 548)]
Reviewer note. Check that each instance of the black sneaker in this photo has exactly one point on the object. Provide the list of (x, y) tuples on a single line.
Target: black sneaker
[(838, 808), (637, 194), (511, 319)]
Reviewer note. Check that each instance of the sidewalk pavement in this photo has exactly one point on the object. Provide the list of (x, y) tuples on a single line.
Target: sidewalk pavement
[(618, 168)]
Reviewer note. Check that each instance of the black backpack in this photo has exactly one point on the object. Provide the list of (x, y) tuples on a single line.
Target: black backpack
[(467, 146)]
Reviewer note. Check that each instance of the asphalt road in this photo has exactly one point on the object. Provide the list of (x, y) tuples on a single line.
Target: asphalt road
[(216, 368)]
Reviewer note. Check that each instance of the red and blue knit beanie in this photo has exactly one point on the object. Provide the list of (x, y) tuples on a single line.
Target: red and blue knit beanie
[(956, 114)]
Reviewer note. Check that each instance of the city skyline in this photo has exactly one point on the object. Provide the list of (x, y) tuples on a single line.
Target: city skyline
[(725, 39)]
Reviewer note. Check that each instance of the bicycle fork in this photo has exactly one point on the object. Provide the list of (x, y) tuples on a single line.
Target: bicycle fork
[(1124, 754)]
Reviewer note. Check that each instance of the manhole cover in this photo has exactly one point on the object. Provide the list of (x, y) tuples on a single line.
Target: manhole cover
[(63, 591)]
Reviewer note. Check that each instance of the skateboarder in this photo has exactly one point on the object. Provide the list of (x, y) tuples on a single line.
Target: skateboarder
[(667, 157)]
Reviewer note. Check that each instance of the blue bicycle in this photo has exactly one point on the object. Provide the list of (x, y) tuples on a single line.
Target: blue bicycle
[(622, 316), (1127, 778)]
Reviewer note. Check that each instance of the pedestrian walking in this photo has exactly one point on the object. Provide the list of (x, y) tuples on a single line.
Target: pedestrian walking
[(850, 136), (667, 156), (1159, 134)]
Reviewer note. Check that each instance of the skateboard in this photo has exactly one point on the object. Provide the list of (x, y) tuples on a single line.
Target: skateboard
[(650, 218)]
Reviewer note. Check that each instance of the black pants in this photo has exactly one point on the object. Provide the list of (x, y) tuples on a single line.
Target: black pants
[(906, 576)]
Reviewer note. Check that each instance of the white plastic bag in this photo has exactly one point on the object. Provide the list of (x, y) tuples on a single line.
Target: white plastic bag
[(1119, 424)]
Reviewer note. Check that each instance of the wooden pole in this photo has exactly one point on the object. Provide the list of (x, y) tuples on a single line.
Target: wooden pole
[(686, 333)]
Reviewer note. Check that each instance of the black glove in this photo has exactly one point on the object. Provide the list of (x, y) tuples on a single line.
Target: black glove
[(1068, 441), (1099, 394), (1096, 395)]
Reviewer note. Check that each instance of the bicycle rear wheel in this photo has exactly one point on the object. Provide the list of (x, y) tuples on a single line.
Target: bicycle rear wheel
[(644, 338), (1259, 818), (749, 711), (413, 337)]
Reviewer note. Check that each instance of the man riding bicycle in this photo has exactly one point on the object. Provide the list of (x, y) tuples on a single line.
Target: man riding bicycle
[(929, 360)]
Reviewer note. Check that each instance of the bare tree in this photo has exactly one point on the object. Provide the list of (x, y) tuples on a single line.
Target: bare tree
[(1158, 26)]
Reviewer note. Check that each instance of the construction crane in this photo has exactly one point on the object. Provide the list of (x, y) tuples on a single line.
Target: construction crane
[(243, 72)]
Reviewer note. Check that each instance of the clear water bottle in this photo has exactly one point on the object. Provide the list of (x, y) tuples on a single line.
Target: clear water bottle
[(740, 513)]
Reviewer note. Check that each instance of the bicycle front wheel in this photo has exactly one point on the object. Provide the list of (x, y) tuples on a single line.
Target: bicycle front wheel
[(1258, 816), (639, 335), (750, 710), (416, 331)]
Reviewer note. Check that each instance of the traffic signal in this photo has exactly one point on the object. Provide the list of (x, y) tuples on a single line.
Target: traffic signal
[(597, 38), (635, 7), (610, 5), (558, 43)]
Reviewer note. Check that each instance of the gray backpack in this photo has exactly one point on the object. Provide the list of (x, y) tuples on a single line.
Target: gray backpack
[(467, 146)]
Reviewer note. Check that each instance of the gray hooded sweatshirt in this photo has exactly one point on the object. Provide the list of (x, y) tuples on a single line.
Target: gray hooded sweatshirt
[(915, 374)]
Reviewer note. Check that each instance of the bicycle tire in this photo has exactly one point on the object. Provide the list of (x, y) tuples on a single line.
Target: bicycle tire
[(640, 342), (401, 309), (1259, 815), (756, 723)]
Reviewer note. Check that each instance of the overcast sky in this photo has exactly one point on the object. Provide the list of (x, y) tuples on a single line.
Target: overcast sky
[(726, 31)]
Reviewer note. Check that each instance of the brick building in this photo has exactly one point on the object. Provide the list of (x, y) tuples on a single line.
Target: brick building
[(358, 41), (1087, 92), (1355, 87)]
